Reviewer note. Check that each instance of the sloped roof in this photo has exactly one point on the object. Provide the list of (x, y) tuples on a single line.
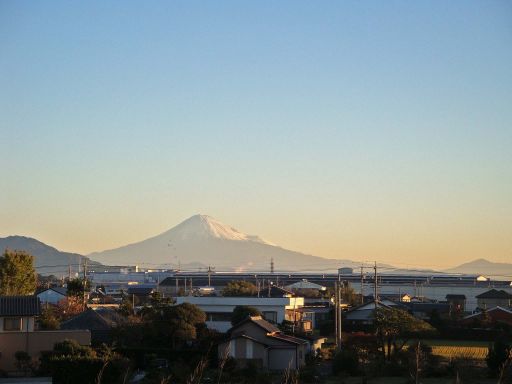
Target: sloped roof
[(288, 338), (365, 311), (495, 309), (20, 306), (428, 307), (144, 291), (305, 284), (494, 294), (259, 321), (274, 291), (88, 319), (60, 290)]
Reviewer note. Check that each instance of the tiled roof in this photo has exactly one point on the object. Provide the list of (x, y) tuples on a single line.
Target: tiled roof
[(494, 294), (89, 319), (288, 338), (495, 309), (274, 291), (19, 306), (259, 321), (60, 290), (143, 291)]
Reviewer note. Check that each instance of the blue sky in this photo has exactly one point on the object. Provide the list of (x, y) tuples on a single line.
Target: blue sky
[(361, 130)]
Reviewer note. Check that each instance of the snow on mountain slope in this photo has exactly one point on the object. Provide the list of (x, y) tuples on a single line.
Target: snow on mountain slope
[(204, 226), (203, 239)]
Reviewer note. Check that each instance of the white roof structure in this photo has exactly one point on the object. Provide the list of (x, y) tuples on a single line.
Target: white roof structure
[(304, 284)]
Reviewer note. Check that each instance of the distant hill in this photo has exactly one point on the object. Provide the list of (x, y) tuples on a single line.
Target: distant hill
[(205, 241), (48, 260), (500, 271)]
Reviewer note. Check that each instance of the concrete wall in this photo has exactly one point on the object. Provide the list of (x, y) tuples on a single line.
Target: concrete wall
[(34, 343)]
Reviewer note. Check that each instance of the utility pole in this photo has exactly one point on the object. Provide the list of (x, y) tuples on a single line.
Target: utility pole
[(362, 285), (272, 265), (69, 272), (376, 285), (85, 282), (338, 309), (336, 306), (210, 270)]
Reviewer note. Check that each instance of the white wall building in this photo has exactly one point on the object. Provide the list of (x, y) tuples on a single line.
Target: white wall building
[(219, 309)]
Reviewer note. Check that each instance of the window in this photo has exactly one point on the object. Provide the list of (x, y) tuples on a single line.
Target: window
[(270, 316), (12, 324)]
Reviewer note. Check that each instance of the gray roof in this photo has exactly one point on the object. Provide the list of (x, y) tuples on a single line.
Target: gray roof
[(20, 306), (259, 321), (60, 290), (494, 294), (274, 291), (88, 319)]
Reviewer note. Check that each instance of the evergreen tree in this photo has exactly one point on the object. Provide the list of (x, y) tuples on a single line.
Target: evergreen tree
[(242, 312), (17, 274)]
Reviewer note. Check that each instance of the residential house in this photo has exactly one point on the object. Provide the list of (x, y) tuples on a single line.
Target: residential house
[(18, 331), (52, 295), (305, 284), (262, 343), (496, 315), (494, 298), (361, 318), (274, 291), (457, 303), (100, 322), (141, 294), (219, 309), (425, 310)]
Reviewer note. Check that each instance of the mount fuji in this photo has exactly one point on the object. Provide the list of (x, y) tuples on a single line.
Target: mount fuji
[(201, 241)]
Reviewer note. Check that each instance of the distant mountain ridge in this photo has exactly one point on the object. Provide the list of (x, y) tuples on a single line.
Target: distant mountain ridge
[(47, 260), (205, 240), (501, 271), (202, 241)]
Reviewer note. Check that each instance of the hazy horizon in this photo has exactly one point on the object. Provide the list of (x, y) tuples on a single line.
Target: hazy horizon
[(363, 131)]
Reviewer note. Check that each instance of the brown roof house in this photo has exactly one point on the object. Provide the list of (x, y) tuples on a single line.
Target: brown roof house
[(496, 315), (258, 341), (494, 298), (18, 331)]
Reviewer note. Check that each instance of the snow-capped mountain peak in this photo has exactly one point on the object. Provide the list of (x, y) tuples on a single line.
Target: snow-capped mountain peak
[(204, 226)]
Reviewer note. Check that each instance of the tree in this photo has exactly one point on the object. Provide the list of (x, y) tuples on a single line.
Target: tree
[(17, 275), (177, 323), (394, 327), (242, 312), (48, 319), (77, 287), (239, 288), (497, 356), (69, 307)]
